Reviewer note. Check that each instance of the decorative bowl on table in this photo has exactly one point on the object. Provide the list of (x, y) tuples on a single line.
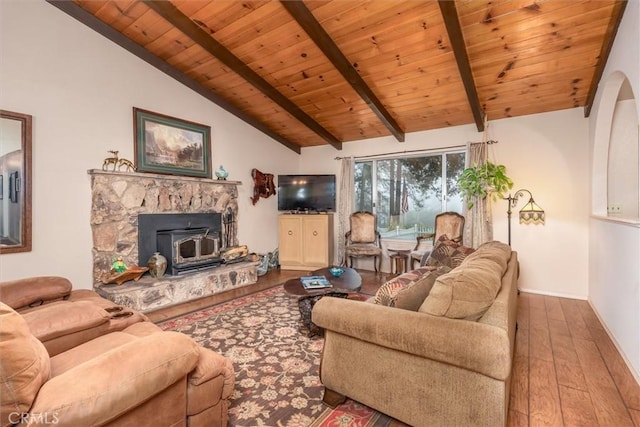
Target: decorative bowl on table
[(336, 271)]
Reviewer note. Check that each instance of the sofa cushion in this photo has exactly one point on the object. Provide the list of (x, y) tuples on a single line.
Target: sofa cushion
[(466, 292), (496, 251), (408, 290), (24, 364), (447, 252)]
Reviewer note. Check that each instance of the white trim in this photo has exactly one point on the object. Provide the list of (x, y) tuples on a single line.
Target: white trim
[(636, 374), (621, 221), (553, 294)]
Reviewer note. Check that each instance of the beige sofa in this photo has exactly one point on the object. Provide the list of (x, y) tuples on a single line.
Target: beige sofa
[(446, 364), (97, 370)]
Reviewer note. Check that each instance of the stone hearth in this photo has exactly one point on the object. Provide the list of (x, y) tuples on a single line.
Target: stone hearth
[(150, 294), (117, 200)]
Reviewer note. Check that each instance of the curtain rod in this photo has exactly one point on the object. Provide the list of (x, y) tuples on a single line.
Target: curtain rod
[(372, 156)]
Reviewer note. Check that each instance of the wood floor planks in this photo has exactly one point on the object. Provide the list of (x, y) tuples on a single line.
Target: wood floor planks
[(566, 370), (576, 375), (577, 408), (544, 400)]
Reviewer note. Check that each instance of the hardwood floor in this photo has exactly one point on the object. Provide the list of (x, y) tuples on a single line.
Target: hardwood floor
[(566, 372)]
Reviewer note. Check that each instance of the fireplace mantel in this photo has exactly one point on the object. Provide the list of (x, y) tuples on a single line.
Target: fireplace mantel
[(119, 197), (163, 177)]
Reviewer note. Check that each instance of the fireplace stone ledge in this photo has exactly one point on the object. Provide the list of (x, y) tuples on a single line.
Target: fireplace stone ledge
[(149, 293)]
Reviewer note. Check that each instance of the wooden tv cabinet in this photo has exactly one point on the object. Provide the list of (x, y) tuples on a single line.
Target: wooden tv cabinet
[(305, 241)]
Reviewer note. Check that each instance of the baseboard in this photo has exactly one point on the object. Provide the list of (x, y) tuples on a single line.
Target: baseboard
[(635, 373), (553, 294)]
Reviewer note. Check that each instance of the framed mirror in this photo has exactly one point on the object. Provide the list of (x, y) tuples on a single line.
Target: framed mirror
[(15, 182)]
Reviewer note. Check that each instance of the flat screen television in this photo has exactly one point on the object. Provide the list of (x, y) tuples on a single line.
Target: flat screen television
[(307, 193)]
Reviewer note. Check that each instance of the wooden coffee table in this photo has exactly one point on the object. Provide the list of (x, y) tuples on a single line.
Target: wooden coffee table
[(349, 281)]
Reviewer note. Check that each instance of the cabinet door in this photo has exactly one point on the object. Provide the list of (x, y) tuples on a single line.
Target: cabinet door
[(315, 231), (290, 240)]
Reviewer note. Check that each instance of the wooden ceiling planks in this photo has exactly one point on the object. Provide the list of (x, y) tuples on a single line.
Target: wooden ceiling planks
[(245, 41), (119, 14), (540, 57), (390, 47), (312, 27), (525, 56), (197, 33)]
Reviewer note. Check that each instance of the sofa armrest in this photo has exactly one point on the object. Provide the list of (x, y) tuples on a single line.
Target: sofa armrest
[(64, 318), (34, 291), (469, 345), (103, 388)]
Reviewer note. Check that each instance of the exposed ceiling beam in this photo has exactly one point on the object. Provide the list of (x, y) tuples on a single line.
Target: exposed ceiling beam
[(182, 22), (312, 27), (450, 15), (607, 44), (97, 25)]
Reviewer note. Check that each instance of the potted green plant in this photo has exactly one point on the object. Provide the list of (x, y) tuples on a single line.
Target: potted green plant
[(484, 180)]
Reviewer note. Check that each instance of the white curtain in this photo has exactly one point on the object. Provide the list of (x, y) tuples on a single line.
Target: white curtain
[(478, 225), (345, 198)]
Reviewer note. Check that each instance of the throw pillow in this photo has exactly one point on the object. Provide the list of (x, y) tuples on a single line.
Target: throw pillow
[(447, 252), (408, 290), (466, 292), (412, 297)]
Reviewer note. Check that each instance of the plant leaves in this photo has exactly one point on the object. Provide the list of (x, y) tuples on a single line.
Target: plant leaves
[(482, 180)]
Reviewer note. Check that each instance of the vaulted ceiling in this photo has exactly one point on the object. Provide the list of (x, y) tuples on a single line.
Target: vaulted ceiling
[(318, 72)]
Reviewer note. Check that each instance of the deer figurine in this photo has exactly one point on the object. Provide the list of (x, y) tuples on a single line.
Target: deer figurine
[(127, 164), (110, 161)]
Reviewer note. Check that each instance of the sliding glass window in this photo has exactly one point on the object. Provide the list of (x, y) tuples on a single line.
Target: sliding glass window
[(407, 193)]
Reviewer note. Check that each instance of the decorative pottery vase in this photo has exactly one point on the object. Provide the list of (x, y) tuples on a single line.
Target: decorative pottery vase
[(221, 173), (157, 265)]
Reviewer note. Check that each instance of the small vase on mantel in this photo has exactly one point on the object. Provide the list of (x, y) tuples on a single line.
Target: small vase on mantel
[(221, 173), (157, 265)]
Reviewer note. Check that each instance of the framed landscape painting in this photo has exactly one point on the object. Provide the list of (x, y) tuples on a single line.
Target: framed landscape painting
[(167, 145)]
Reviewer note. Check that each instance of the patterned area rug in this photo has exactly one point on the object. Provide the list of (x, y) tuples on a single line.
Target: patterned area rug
[(276, 364)]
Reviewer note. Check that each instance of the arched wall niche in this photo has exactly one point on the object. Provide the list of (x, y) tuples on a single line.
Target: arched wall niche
[(616, 158)]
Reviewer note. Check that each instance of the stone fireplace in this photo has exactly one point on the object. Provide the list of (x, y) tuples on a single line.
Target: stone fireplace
[(188, 220)]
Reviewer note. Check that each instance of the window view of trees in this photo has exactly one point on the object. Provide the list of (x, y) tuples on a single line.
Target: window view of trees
[(409, 192)]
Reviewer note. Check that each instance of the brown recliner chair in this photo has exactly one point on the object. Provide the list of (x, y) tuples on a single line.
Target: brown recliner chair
[(138, 375), (63, 318)]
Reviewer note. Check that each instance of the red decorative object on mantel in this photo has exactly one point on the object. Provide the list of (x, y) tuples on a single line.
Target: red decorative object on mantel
[(263, 185)]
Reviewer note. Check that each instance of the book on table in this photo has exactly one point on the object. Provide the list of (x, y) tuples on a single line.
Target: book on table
[(315, 282)]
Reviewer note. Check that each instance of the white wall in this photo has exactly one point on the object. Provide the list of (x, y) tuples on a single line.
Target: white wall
[(80, 89), (544, 153), (614, 273), (623, 161)]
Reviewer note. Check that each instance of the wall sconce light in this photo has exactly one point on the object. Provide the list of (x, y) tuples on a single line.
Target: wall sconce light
[(531, 213)]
